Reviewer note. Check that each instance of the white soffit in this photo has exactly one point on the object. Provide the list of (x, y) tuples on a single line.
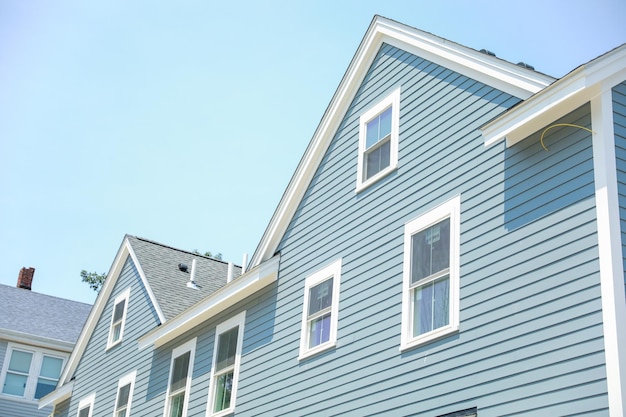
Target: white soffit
[(507, 77), (570, 92)]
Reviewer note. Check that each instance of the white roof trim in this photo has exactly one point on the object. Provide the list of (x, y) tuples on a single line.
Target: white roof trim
[(233, 292), (96, 311), (560, 98), (493, 71), (38, 341), (56, 396)]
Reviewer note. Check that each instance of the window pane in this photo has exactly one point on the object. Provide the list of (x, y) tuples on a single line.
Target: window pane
[(51, 367), (15, 384), (372, 133), (20, 361), (319, 331), (122, 396), (223, 391), (119, 311), (44, 387), (84, 412), (378, 159), (431, 306), (320, 296), (385, 123), (179, 372), (227, 348), (117, 331), (176, 405), (430, 250)]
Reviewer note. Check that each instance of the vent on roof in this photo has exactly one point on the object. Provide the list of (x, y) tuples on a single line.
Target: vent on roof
[(182, 267), (525, 65), (486, 52), (192, 277)]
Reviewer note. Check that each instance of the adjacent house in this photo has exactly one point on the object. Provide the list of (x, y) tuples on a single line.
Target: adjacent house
[(450, 245), (37, 334)]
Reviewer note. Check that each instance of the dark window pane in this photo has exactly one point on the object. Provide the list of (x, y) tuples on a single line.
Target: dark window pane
[(122, 398), (430, 250), (119, 311), (44, 387), (320, 296), (84, 412), (320, 331), (180, 371), (227, 348)]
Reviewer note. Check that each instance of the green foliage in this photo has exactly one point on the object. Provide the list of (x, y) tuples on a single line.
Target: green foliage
[(217, 256), (94, 279)]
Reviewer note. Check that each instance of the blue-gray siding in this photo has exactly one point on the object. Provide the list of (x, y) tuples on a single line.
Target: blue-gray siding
[(100, 369), (619, 126), (531, 334)]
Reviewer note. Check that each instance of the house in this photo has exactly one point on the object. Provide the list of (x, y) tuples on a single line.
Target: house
[(449, 245), (37, 334)]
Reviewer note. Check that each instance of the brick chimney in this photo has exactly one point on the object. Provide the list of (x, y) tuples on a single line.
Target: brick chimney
[(25, 278)]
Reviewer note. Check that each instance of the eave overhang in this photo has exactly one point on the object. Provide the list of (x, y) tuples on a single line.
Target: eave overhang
[(34, 340), (58, 395), (236, 290), (568, 93), (505, 76)]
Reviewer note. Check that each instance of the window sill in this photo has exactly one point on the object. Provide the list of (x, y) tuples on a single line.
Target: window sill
[(112, 345), (362, 185), (222, 413), (316, 350), (428, 337)]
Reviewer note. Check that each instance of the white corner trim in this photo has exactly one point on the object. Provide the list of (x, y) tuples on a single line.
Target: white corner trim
[(236, 290), (610, 251)]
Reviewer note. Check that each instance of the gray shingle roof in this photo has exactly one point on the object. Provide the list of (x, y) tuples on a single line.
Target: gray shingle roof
[(41, 315), (169, 285)]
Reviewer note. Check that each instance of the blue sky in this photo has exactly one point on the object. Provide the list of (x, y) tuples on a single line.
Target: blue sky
[(182, 122)]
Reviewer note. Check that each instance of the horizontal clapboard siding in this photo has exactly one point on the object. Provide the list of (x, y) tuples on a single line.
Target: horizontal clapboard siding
[(619, 126), (99, 369), (531, 333)]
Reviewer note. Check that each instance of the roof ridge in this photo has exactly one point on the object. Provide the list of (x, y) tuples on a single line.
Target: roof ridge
[(180, 250)]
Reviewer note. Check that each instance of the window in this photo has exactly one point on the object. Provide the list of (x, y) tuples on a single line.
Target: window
[(180, 380), (378, 140), (85, 406), (30, 373), (226, 361), (430, 301), (320, 310), (125, 388), (118, 318)]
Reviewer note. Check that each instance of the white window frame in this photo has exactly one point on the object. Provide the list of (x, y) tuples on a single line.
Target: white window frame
[(34, 371), (238, 320), (393, 101), (87, 402), (126, 380), (450, 209), (333, 271), (190, 347), (124, 296)]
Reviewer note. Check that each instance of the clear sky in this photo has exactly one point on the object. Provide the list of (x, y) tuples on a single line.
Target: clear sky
[(182, 122)]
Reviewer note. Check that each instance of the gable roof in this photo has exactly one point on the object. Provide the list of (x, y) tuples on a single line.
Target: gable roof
[(503, 75), (159, 264), (31, 317), (165, 284)]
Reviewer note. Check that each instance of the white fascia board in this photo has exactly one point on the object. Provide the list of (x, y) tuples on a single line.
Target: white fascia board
[(503, 75), (575, 89), (98, 307), (56, 396), (236, 290), (38, 341)]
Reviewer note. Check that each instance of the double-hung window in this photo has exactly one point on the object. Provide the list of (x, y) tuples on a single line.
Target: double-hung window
[(226, 362), (125, 388), (85, 406), (118, 318), (378, 140), (430, 303), (30, 373), (181, 366), (320, 310)]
